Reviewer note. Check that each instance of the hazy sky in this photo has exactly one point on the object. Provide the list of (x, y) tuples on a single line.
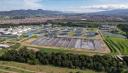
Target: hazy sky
[(64, 5)]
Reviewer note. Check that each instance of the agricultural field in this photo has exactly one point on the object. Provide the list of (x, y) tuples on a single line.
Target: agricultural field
[(117, 45), (69, 43), (114, 35), (75, 38), (15, 67)]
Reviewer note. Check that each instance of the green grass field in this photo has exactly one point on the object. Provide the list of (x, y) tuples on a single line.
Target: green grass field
[(117, 45), (14, 67)]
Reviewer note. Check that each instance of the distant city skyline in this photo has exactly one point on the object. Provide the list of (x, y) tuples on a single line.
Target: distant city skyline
[(76, 6)]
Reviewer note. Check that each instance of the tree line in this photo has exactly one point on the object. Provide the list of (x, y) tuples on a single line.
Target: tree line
[(79, 24), (124, 27), (98, 63)]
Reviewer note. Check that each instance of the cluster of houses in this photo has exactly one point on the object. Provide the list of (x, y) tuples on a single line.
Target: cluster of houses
[(28, 20), (72, 32), (106, 27), (14, 30)]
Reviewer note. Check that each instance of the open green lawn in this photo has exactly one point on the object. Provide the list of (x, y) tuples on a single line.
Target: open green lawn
[(117, 45), (10, 67)]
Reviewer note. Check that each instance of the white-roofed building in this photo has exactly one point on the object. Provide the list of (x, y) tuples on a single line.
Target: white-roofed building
[(4, 46)]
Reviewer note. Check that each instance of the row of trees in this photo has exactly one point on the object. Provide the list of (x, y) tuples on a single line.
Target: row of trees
[(124, 27), (79, 24), (20, 24), (98, 63)]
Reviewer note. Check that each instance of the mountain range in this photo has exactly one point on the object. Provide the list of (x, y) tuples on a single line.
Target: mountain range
[(117, 12), (40, 12), (29, 12)]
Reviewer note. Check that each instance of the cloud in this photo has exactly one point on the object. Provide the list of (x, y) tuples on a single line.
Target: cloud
[(6, 5), (33, 4), (97, 8), (107, 6), (90, 6)]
